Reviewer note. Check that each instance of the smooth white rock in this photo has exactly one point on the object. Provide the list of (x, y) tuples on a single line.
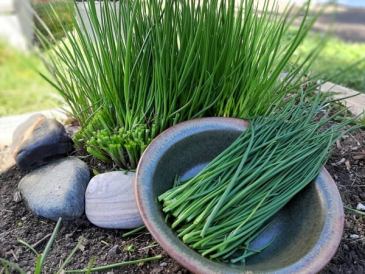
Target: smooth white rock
[(110, 201)]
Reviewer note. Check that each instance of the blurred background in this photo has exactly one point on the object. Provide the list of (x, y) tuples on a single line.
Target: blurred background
[(23, 90)]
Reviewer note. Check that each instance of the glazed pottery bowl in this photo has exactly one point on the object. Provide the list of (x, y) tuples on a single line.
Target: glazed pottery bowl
[(304, 235)]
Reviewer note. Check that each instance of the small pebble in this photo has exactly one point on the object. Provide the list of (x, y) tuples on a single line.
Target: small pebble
[(115, 250), (360, 206), (338, 144), (17, 197), (340, 162), (163, 264), (23, 218), (348, 165), (354, 236), (68, 235)]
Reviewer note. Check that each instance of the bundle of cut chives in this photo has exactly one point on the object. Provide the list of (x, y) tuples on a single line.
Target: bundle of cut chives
[(221, 210)]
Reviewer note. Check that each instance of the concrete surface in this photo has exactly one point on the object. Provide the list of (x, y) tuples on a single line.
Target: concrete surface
[(355, 104)]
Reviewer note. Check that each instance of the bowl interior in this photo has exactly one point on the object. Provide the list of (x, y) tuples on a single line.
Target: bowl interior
[(292, 232)]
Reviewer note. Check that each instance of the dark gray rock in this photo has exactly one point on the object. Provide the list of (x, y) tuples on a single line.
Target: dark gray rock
[(57, 189), (38, 140)]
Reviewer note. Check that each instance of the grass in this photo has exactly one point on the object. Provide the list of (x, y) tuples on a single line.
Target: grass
[(335, 56), (344, 59), (65, 11), (22, 89)]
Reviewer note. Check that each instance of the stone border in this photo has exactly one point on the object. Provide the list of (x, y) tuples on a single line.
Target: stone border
[(355, 104)]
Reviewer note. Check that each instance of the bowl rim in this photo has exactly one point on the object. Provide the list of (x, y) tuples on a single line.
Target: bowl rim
[(316, 258)]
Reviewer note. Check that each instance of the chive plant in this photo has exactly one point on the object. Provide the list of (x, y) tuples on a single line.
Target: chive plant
[(223, 209), (135, 67)]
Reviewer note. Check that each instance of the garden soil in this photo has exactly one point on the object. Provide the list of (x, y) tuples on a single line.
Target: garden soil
[(100, 246)]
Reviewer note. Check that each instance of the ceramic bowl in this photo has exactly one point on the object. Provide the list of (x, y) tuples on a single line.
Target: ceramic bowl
[(304, 235)]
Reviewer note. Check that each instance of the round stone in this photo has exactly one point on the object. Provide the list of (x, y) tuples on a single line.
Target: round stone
[(110, 201), (57, 189)]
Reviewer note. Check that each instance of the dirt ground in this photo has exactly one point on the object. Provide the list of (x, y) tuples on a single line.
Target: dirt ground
[(347, 166), (100, 246)]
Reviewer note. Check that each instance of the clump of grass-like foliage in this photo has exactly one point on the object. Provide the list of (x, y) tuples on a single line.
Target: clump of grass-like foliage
[(135, 67)]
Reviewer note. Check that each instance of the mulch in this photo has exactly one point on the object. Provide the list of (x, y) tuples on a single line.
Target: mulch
[(100, 246)]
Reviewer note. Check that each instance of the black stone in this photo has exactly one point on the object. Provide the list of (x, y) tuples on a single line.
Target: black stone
[(39, 140)]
